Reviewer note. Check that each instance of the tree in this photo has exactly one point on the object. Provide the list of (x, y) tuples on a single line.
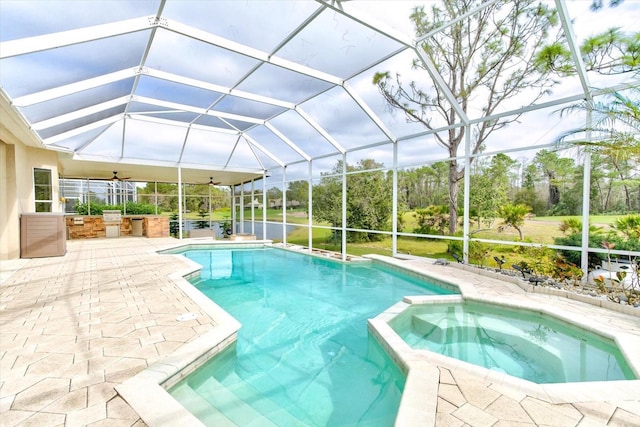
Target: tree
[(298, 191), (598, 4), (556, 171), (431, 220), (629, 226), (195, 196), (615, 139), (611, 52), (513, 216), (616, 120), (274, 197), (423, 186), (486, 58), (167, 195), (327, 197), (528, 195), (369, 202), (490, 187)]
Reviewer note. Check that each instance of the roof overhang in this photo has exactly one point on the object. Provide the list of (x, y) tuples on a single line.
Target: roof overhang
[(14, 130), (13, 126), (73, 167)]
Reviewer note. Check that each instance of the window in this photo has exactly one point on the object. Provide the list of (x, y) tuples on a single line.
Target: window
[(42, 189)]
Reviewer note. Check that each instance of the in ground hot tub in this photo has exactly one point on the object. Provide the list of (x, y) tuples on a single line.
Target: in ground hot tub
[(519, 342)]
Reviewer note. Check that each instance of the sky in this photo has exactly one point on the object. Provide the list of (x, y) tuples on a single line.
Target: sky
[(330, 44)]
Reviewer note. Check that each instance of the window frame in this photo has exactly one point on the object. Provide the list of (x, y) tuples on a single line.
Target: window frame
[(42, 205)]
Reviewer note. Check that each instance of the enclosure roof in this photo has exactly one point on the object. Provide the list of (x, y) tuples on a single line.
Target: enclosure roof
[(223, 89)]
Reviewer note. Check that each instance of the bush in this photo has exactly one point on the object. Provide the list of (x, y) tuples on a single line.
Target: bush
[(96, 208), (455, 247), (478, 252), (202, 223), (432, 220), (133, 208), (595, 241), (174, 225), (574, 257)]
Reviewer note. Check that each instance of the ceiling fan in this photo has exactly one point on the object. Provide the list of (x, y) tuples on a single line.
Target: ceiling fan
[(115, 177), (211, 181)]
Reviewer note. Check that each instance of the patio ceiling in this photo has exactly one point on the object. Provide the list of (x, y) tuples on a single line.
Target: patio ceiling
[(223, 89)]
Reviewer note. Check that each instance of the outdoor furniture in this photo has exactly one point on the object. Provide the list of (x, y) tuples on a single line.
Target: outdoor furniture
[(500, 261), (457, 258)]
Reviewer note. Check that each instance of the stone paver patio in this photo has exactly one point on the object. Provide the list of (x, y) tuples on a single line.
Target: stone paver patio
[(73, 328)]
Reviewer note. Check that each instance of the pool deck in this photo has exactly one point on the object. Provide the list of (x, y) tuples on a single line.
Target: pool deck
[(75, 328)]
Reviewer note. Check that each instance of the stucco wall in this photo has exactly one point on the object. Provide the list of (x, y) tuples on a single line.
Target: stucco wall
[(9, 230), (17, 162)]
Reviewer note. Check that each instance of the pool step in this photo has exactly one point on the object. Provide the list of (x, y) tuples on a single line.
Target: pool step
[(233, 402), (200, 407), (423, 327)]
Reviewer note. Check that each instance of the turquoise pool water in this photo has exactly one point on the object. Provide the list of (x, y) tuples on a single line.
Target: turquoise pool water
[(303, 356), (521, 343)]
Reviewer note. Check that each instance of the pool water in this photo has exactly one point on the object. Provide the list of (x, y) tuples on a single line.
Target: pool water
[(304, 356), (521, 343)]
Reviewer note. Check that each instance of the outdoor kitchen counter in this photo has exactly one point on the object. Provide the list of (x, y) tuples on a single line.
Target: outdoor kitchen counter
[(94, 226)]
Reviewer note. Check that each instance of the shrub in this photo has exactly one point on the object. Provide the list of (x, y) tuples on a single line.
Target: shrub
[(595, 241), (432, 220), (455, 247), (174, 225), (478, 252), (133, 208)]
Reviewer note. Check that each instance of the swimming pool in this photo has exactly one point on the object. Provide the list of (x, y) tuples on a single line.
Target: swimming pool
[(519, 342), (303, 355)]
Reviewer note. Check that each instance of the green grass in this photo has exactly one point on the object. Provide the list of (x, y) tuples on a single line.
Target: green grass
[(593, 219), (538, 230), (321, 239)]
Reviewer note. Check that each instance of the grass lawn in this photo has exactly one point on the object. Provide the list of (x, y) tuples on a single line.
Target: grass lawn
[(593, 219), (542, 229), (538, 230), (321, 239)]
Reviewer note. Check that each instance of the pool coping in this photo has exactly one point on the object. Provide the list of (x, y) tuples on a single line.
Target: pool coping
[(413, 363), (147, 393), (419, 399)]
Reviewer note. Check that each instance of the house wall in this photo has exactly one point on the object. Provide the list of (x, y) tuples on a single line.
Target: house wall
[(9, 230), (17, 195)]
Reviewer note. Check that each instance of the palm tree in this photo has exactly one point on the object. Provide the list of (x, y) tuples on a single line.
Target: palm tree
[(615, 134), (513, 216), (615, 123)]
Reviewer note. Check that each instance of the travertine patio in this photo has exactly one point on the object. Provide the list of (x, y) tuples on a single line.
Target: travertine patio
[(73, 328)]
